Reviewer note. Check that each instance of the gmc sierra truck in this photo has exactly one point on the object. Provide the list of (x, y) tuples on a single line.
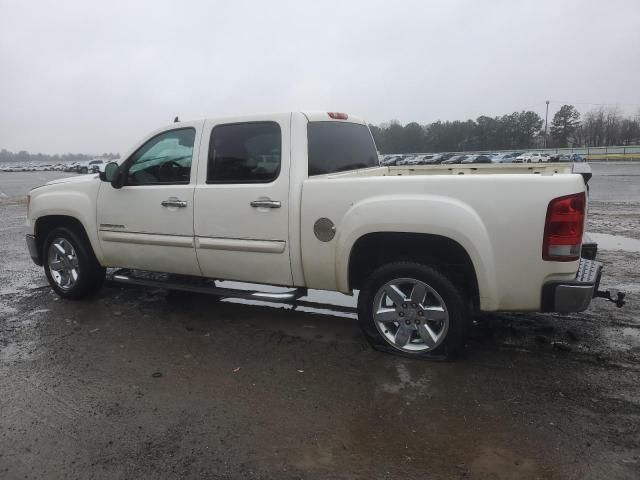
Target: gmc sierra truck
[(300, 200)]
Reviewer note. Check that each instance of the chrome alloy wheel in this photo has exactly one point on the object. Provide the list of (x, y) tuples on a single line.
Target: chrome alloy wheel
[(63, 263), (410, 315)]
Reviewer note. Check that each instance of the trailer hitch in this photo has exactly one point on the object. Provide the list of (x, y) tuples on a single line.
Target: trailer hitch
[(606, 294)]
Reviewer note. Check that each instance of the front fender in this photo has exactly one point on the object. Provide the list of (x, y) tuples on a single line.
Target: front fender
[(76, 203), (429, 214)]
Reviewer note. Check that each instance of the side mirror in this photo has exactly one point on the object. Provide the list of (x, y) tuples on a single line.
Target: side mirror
[(112, 175)]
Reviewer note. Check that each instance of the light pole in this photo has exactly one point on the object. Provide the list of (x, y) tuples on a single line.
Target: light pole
[(546, 118)]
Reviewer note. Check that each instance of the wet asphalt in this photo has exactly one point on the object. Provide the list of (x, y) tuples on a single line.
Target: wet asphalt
[(142, 383)]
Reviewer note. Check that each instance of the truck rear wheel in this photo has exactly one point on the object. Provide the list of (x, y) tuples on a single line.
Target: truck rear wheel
[(412, 310), (70, 265)]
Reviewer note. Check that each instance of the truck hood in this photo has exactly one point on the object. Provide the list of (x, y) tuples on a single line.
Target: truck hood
[(76, 179)]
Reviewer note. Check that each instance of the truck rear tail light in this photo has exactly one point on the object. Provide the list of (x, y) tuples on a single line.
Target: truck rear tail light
[(338, 115), (563, 228)]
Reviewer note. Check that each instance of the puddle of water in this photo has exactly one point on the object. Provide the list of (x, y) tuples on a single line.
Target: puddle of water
[(628, 287), (623, 339), (405, 384), (606, 241), (324, 298), (6, 310), (320, 311), (19, 351)]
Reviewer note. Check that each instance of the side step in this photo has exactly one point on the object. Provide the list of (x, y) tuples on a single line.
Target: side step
[(208, 286)]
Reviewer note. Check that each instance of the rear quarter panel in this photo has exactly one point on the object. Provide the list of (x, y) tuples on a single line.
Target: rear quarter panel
[(498, 219)]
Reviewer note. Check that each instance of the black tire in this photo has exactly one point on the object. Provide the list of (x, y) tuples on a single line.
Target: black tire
[(90, 274), (84, 170), (453, 299)]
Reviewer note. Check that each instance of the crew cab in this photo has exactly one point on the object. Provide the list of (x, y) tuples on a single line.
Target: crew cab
[(300, 200)]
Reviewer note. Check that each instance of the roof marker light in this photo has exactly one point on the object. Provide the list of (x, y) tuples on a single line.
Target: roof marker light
[(338, 115)]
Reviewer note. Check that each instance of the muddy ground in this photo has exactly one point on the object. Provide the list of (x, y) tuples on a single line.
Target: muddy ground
[(138, 383)]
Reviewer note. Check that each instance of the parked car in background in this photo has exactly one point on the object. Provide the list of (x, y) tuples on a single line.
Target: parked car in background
[(477, 159), (445, 156), (405, 160), (512, 156), (391, 160), (454, 159), (435, 159), (96, 166), (503, 158), (90, 166), (567, 157), (82, 167), (531, 157), (419, 160)]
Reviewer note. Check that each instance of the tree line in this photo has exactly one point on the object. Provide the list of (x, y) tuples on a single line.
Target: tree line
[(25, 157), (515, 131), (518, 130)]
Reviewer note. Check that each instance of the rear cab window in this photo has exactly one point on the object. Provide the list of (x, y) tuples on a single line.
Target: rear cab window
[(340, 146)]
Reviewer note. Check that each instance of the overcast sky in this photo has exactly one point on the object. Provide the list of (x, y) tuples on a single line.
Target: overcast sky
[(88, 76)]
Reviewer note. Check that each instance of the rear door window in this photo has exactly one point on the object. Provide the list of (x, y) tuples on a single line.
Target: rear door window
[(340, 146), (244, 153)]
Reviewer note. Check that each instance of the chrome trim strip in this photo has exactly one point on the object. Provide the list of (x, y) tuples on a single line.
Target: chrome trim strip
[(147, 239), (241, 245)]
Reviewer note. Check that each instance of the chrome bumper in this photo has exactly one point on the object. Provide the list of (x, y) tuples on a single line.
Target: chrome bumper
[(33, 249), (575, 295)]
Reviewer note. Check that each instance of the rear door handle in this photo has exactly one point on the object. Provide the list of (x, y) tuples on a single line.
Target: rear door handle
[(173, 202), (265, 203)]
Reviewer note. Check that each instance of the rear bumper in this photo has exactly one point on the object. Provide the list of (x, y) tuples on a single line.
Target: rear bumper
[(574, 295), (33, 249)]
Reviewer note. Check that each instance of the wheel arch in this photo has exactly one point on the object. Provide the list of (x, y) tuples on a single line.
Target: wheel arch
[(376, 249), (46, 224), (444, 224)]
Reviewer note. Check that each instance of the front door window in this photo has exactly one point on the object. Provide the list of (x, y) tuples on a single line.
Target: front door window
[(163, 160)]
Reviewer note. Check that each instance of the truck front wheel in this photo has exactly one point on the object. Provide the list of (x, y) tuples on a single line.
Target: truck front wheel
[(70, 265), (412, 310)]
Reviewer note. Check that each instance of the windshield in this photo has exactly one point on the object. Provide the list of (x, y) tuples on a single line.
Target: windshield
[(340, 146)]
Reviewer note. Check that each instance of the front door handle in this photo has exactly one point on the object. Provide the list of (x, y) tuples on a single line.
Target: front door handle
[(173, 202), (265, 203)]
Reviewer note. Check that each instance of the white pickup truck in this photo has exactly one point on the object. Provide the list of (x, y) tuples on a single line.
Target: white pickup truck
[(300, 200)]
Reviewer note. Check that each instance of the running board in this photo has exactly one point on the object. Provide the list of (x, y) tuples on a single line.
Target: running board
[(208, 286)]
